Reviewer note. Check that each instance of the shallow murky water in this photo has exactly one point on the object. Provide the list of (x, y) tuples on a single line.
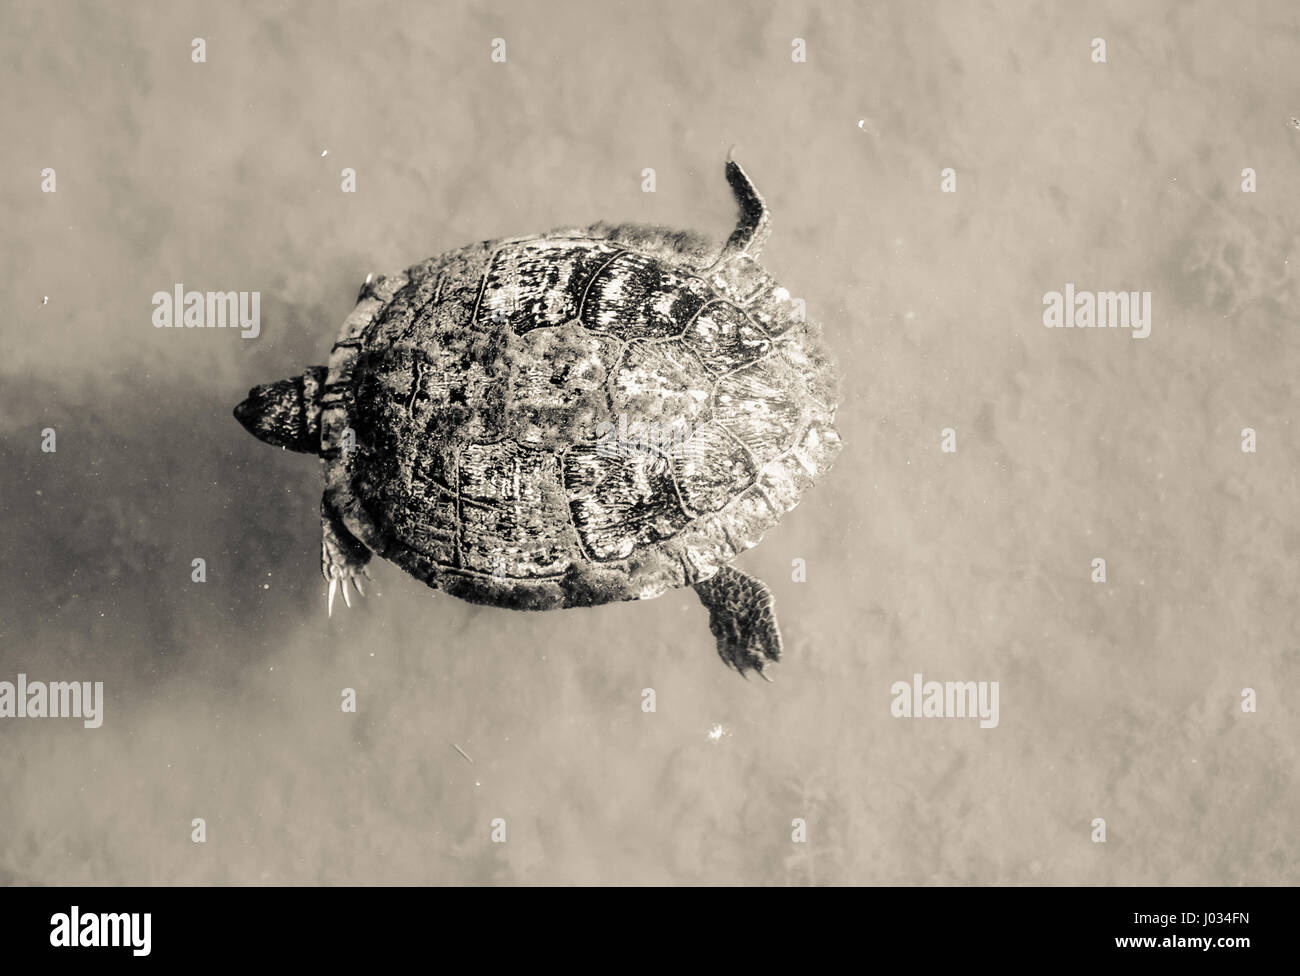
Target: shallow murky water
[(1118, 700)]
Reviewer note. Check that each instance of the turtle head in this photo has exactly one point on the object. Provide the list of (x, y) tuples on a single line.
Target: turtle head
[(286, 413)]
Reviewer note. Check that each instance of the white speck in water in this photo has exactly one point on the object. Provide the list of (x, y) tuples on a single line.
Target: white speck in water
[(716, 733), (324, 153)]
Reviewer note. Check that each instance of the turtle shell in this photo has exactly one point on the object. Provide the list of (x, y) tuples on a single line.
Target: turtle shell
[(573, 418)]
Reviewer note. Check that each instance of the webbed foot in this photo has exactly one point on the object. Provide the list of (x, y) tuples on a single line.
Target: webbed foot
[(742, 617), (343, 558)]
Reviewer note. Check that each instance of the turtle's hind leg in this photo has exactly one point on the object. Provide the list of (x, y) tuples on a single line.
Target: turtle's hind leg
[(742, 616), (343, 557)]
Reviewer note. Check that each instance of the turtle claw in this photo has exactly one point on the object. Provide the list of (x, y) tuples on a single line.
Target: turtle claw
[(339, 583), (343, 558), (367, 289)]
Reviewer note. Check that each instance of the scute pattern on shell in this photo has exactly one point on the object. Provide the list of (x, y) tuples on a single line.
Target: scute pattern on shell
[(474, 386)]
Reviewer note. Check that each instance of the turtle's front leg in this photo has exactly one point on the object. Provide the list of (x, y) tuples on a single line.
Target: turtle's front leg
[(343, 557), (742, 616)]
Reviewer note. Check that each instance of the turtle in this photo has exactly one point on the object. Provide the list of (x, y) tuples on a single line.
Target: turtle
[(493, 421)]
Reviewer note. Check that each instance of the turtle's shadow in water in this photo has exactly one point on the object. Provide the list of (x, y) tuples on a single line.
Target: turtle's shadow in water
[(99, 562)]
